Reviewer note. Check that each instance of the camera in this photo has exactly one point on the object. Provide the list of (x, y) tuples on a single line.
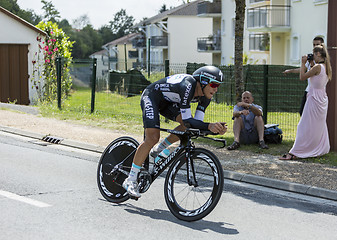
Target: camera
[(310, 57)]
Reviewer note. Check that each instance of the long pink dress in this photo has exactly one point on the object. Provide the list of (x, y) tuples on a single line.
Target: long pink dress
[(312, 138)]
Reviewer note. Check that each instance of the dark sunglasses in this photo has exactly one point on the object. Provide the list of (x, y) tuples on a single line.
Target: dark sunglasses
[(214, 85)]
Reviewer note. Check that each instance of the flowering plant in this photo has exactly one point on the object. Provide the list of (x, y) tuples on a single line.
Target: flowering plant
[(55, 44)]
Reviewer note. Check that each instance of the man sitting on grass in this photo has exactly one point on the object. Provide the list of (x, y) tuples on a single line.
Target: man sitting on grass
[(248, 123)]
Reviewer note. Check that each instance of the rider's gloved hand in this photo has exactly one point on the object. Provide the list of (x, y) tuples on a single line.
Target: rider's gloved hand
[(218, 127)]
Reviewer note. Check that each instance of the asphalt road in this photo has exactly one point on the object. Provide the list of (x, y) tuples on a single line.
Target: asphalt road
[(50, 192)]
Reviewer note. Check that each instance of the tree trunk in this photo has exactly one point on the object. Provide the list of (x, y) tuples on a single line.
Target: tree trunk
[(239, 27)]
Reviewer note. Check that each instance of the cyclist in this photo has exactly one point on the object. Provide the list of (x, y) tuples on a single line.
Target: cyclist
[(171, 97)]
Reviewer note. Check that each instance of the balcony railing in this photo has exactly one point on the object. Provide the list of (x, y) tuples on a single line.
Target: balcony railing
[(159, 41), (139, 42), (209, 44), (156, 41), (268, 16), (209, 8), (113, 59)]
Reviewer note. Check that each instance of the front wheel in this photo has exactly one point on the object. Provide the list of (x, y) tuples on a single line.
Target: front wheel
[(191, 203)]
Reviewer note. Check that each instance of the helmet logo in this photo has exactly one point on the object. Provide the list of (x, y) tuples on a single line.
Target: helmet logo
[(206, 74), (221, 75)]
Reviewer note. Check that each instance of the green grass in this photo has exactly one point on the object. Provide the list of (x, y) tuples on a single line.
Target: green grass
[(114, 111)]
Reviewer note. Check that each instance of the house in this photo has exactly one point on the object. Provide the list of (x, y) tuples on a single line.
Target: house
[(102, 62), (276, 31), (121, 54), (212, 43), (173, 35), (18, 46)]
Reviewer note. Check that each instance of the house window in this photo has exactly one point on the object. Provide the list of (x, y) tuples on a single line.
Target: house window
[(295, 53), (259, 42), (257, 17)]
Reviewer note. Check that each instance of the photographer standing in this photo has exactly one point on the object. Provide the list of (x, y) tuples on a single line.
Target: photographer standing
[(317, 41), (312, 137)]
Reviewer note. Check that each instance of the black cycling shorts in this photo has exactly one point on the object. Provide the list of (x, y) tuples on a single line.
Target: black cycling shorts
[(152, 104)]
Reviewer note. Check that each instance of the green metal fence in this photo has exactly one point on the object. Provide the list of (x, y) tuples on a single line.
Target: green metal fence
[(280, 95)]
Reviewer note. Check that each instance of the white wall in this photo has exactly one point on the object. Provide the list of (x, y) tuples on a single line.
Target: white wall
[(227, 32), (282, 44), (308, 20), (183, 34), (14, 32), (278, 48)]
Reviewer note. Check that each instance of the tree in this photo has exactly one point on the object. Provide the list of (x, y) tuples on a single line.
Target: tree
[(163, 8), (65, 26), (121, 24), (87, 41), (106, 34), (10, 5), (28, 15), (81, 22), (238, 65), (50, 12)]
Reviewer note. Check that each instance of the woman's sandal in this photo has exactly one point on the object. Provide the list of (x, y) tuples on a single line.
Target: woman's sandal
[(288, 157)]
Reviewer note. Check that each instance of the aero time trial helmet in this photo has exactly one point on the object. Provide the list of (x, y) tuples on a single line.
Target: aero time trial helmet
[(208, 74)]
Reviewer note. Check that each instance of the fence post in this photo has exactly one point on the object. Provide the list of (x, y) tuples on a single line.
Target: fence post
[(93, 84), (58, 73), (167, 73), (265, 93), (148, 58), (126, 59)]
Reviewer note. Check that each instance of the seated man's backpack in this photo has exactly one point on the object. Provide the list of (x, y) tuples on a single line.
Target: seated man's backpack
[(272, 134)]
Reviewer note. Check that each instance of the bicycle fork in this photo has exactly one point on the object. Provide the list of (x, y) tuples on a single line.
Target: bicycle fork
[(191, 178)]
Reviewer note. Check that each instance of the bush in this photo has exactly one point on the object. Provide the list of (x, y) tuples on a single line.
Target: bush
[(56, 44)]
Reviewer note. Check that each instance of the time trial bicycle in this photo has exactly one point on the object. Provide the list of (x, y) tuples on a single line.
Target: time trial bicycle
[(193, 183)]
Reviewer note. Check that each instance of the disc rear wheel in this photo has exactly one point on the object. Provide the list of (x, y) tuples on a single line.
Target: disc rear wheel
[(119, 153)]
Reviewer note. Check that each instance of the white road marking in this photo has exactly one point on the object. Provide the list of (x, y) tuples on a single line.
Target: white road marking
[(23, 199)]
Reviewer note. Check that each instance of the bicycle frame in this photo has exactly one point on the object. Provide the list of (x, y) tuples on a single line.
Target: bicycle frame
[(185, 144), (161, 165)]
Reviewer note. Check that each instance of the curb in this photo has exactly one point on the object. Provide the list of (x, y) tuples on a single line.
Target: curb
[(282, 185), (235, 176), (64, 142)]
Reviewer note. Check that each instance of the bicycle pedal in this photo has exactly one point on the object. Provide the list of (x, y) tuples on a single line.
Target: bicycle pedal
[(134, 198)]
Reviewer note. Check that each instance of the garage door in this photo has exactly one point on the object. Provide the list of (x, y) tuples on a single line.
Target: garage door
[(14, 73)]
